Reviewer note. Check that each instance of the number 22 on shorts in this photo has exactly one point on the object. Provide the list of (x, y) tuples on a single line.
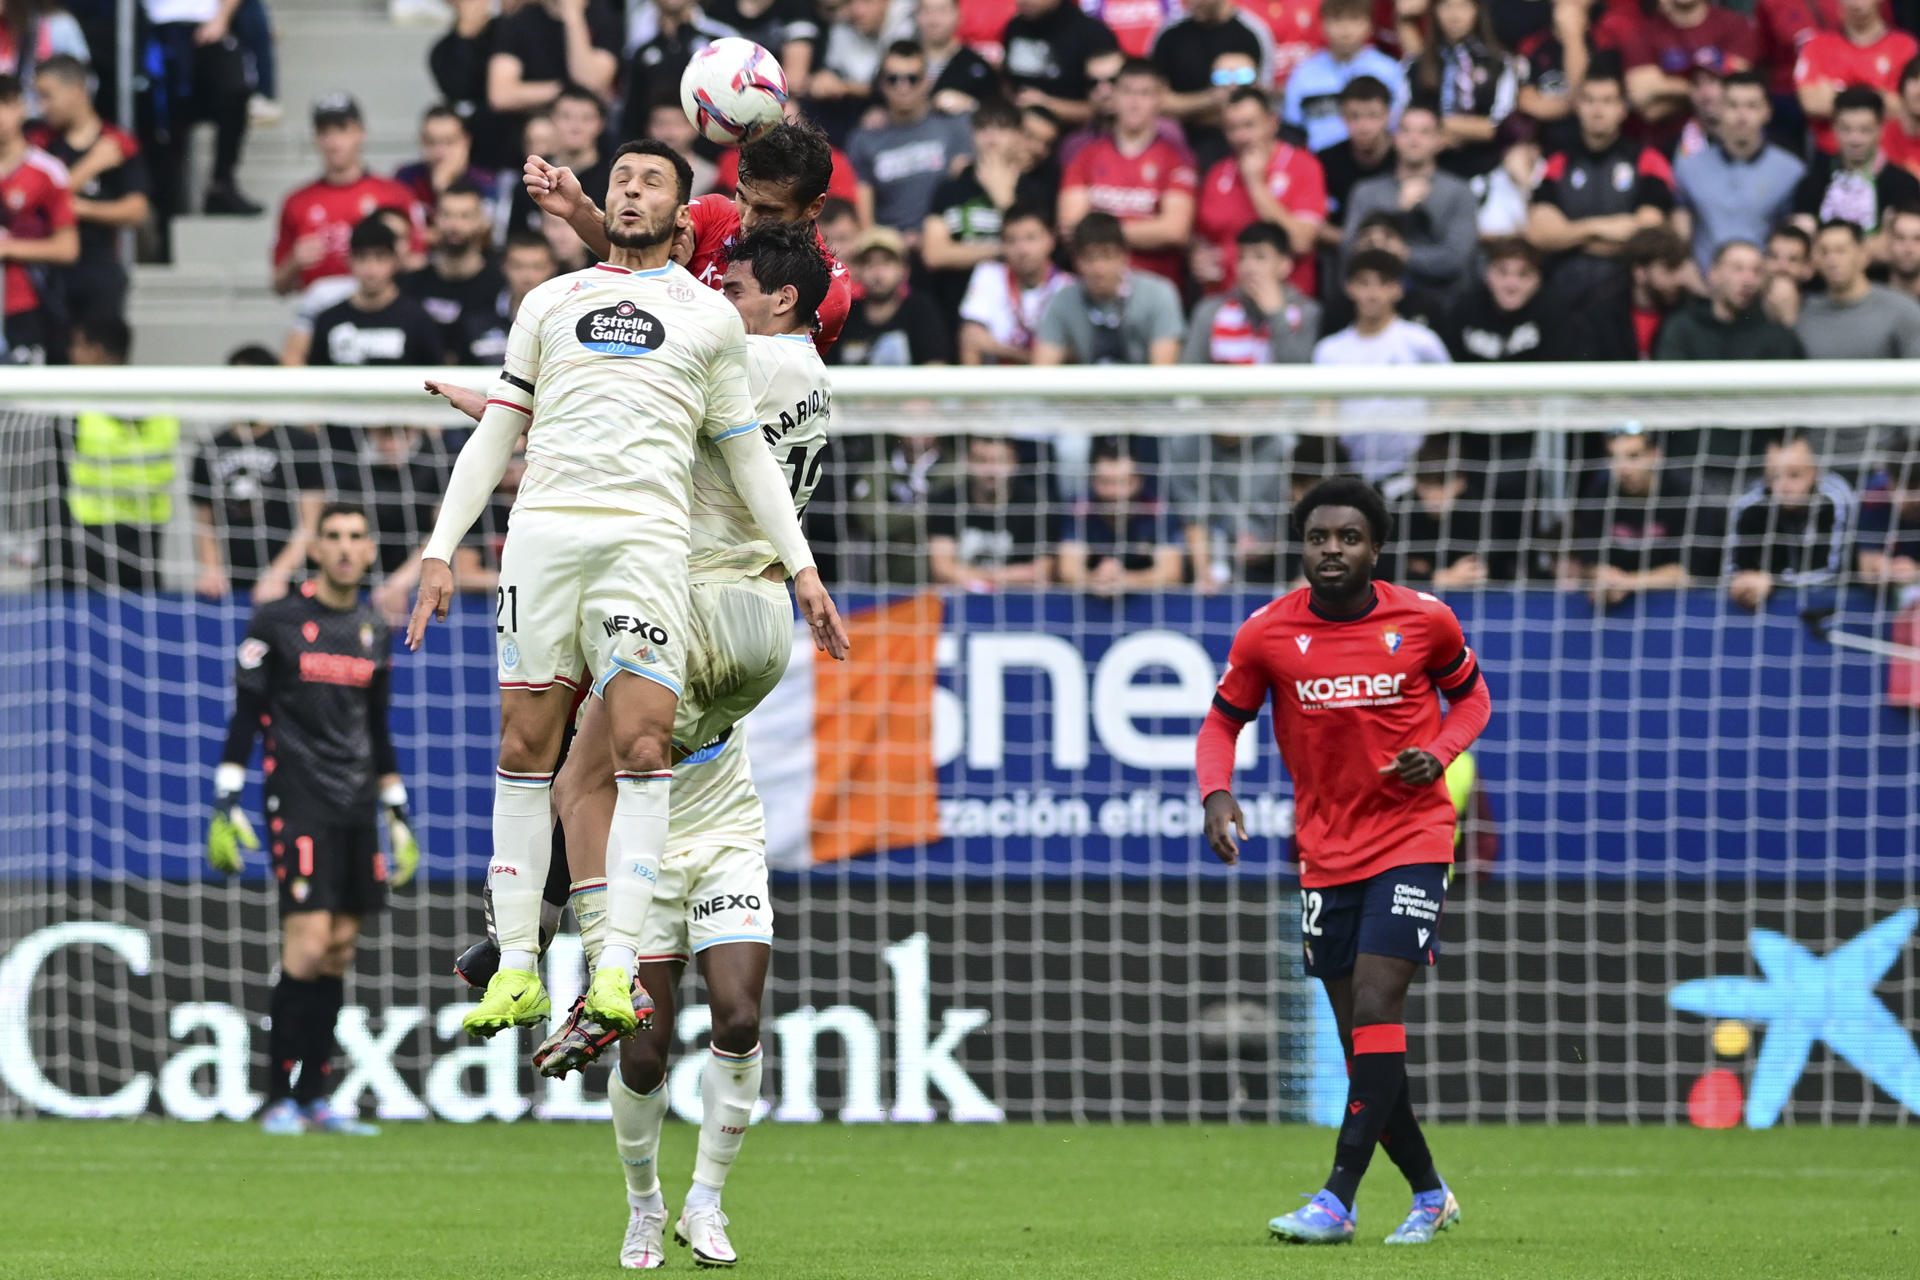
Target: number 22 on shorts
[(1310, 905)]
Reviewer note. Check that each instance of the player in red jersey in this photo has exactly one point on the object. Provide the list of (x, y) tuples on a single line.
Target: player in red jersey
[(1351, 666), (783, 178)]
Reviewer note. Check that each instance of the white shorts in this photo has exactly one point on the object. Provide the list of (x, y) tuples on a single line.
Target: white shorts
[(742, 638), (707, 897), (591, 592)]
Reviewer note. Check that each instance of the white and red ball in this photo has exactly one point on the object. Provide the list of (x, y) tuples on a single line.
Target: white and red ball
[(733, 91)]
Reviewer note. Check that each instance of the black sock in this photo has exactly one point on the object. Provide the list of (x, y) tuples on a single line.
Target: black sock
[(1407, 1145), (317, 1045), (1378, 1078), (288, 1013)]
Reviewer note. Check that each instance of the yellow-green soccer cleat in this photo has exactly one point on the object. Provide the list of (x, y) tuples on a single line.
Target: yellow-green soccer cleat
[(515, 998), (609, 1000)]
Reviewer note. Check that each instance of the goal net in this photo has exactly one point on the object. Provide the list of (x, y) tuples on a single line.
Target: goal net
[(1689, 841)]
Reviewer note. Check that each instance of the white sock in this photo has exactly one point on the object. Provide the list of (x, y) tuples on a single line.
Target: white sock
[(589, 903), (637, 1118), (635, 844), (517, 872), (729, 1086)]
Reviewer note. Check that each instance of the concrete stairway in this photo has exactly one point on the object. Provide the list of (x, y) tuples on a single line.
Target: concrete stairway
[(218, 293)]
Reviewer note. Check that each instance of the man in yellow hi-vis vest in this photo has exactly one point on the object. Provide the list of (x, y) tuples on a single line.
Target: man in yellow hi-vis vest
[(119, 478)]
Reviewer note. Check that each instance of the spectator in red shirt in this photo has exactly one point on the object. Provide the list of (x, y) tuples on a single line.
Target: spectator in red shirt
[(1865, 51), (1900, 136), (37, 226), (1683, 39), (1138, 177), (1264, 180), (1295, 28)]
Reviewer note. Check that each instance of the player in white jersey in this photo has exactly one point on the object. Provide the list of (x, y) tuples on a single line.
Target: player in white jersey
[(616, 374)]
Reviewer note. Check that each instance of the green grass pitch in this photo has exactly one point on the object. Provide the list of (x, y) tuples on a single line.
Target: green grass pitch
[(158, 1200)]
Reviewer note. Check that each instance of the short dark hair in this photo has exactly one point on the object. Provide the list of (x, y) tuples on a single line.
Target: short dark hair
[(1423, 102), (1738, 242), (1436, 460), (1511, 248), (1910, 72), (796, 155), (64, 66), (1345, 9), (786, 253), (444, 111), (1853, 229), (1791, 231), (835, 209), (1857, 97), (574, 93), (1346, 491), (1606, 71), (521, 238), (1251, 93), (340, 508), (1141, 67), (462, 186), (1025, 211), (1098, 230), (682, 171), (1315, 458), (1266, 233), (1047, 114), (108, 331), (906, 49), (1654, 246), (1899, 211), (10, 90), (1745, 80), (995, 113), (1388, 266), (372, 235), (253, 355), (1366, 89), (1391, 219)]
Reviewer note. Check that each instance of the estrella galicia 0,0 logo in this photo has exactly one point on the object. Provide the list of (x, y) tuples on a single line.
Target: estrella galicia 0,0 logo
[(621, 330)]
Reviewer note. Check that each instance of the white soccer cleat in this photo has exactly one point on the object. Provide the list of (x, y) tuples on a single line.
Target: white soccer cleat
[(645, 1246), (705, 1231)]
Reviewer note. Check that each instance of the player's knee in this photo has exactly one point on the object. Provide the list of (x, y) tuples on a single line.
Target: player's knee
[(574, 786), (642, 1067), (735, 1030), (527, 746), (1373, 1006), (303, 960), (337, 960), (641, 750)]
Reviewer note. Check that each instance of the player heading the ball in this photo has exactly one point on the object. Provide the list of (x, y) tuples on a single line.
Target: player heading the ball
[(1351, 667), (615, 374)]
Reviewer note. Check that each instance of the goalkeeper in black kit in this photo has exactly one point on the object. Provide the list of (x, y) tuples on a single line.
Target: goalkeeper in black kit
[(313, 678)]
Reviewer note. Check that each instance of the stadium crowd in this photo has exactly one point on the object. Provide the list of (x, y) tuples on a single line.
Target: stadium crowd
[(1343, 182)]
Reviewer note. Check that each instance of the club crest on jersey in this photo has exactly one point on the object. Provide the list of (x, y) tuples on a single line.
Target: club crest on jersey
[(510, 655), (680, 292), (311, 630), (1391, 639), (366, 635), (621, 330), (300, 890)]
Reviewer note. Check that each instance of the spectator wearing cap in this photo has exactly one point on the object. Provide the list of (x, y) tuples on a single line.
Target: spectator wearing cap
[(1262, 319), (1264, 180), (459, 281), (1680, 40), (201, 76), (903, 162), (1379, 337), (446, 157), (1111, 313), (1855, 184), (1312, 102), (1864, 53), (890, 324), (1144, 181), (108, 178), (40, 230), (1635, 526), (1048, 43), (1793, 528), (1741, 185), (1119, 539), (317, 220), (1007, 296), (681, 28), (1789, 272), (1621, 318), (1457, 61), (1596, 193), (1366, 112), (540, 49), (1188, 51), (1506, 193), (962, 228), (1438, 208), (376, 323)]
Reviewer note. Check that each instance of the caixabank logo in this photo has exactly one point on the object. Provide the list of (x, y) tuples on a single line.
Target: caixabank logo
[(621, 330), (1801, 999)]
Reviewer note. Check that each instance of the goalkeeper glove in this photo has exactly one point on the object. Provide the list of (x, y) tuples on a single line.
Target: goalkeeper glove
[(400, 838), (229, 832)]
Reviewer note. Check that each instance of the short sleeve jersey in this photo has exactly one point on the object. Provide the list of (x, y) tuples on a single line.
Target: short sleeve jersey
[(716, 225), (1294, 179), (1348, 695), (331, 212), (627, 371), (1135, 187), (1829, 57), (317, 668), (35, 202), (789, 386)]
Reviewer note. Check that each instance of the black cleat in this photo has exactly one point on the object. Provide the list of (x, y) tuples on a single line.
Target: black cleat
[(478, 963)]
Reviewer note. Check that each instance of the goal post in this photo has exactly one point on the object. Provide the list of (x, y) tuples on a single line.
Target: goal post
[(992, 900)]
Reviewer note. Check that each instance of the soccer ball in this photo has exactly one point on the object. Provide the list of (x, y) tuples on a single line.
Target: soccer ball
[(733, 91)]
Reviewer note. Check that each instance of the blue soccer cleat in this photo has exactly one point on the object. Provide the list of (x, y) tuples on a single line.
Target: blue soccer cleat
[(1432, 1213), (322, 1118), (282, 1119), (1324, 1220)]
